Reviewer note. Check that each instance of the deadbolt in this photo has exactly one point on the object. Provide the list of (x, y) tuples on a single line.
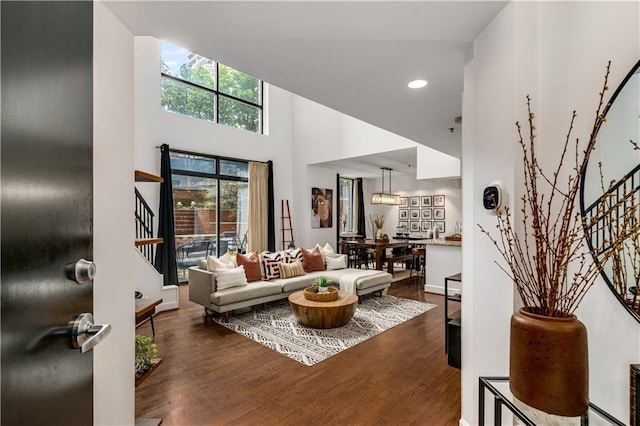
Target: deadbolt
[(81, 271)]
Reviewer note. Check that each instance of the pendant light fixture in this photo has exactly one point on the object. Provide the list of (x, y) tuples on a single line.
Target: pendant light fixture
[(385, 197)]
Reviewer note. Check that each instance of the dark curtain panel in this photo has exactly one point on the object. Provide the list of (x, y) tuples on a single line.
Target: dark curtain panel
[(165, 261), (271, 229), (362, 224), (338, 223)]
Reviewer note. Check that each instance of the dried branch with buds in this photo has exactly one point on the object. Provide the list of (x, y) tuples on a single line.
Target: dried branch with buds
[(548, 262)]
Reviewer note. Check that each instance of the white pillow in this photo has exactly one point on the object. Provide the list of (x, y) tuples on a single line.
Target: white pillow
[(325, 251), (329, 251), (228, 278), (225, 262), (337, 262)]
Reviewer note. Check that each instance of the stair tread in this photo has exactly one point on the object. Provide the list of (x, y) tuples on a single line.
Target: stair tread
[(146, 241), (141, 176)]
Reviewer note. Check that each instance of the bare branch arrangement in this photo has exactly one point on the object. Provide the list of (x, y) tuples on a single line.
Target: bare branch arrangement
[(539, 260)]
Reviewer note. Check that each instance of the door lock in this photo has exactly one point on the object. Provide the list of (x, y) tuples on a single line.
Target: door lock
[(80, 271)]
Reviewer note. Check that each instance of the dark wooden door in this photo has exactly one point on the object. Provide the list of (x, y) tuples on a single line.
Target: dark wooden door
[(47, 142)]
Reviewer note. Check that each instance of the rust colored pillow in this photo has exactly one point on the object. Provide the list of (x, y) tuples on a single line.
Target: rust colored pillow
[(312, 260), (251, 265)]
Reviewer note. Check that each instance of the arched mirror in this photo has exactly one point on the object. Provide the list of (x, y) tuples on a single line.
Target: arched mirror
[(611, 184)]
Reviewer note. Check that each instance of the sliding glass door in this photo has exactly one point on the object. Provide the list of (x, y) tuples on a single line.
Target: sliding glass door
[(210, 196)]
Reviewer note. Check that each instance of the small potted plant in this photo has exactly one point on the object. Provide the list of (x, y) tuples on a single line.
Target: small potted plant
[(146, 350), (322, 283)]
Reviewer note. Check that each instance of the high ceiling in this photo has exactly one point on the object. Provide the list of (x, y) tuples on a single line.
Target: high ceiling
[(353, 56)]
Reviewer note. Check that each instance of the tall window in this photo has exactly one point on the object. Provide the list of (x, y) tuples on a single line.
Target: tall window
[(199, 87), (210, 196), (346, 205)]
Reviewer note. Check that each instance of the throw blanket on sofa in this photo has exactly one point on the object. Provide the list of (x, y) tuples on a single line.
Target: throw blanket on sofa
[(349, 282)]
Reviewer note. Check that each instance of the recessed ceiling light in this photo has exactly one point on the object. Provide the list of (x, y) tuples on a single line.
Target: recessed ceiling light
[(417, 84)]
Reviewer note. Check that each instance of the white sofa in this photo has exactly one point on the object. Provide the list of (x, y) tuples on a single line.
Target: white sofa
[(202, 287)]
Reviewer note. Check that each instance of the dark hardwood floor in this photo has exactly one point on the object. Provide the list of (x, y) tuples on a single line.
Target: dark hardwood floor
[(213, 376)]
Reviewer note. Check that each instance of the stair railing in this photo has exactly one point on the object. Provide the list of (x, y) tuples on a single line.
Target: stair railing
[(144, 226)]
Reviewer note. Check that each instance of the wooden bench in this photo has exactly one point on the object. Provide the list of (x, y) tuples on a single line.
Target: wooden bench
[(392, 258)]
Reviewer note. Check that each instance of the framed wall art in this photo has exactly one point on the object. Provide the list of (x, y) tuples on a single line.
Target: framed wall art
[(403, 214), (425, 225), (426, 201), (404, 224), (321, 207), (414, 214), (414, 201), (438, 201), (440, 226), (426, 214), (404, 202), (414, 226), (438, 214)]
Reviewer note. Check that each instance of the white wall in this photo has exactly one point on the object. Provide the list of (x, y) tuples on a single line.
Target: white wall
[(432, 164), (557, 52), (113, 233), (326, 134)]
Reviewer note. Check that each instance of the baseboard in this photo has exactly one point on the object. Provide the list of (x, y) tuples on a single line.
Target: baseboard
[(167, 306), (433, 289), (462, 422)]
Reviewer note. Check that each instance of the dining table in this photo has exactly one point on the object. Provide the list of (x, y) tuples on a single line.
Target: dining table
[(380, 247)]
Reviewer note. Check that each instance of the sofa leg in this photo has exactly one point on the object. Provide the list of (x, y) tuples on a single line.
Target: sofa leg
[(226, 316)]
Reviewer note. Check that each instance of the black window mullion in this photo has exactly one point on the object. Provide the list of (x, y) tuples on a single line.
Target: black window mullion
[(219, 188), (217, 97), (187, 82)]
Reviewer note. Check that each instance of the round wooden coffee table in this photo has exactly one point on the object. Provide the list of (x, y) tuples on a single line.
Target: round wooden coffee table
[(323, 314)]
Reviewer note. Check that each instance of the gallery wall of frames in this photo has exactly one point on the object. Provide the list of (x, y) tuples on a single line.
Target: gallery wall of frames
[(421, 213)]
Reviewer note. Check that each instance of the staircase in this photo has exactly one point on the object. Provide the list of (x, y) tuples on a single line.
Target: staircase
[(149, 281)]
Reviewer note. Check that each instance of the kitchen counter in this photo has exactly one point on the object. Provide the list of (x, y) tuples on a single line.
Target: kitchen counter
[(443, 242), (442, 259)]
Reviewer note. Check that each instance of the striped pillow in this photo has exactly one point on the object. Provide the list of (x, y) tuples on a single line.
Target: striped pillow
[(290, 256), (289, 270)]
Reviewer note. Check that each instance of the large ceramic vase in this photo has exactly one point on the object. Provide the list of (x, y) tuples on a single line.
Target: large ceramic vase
[(549, 364)]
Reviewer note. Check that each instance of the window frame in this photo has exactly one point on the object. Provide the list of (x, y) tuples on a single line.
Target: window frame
[(351, 198), (217, 94)]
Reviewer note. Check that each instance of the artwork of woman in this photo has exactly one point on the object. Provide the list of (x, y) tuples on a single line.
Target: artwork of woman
[(321, 208)]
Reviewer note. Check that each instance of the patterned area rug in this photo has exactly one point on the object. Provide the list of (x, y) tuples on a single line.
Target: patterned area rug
[(276, 328)]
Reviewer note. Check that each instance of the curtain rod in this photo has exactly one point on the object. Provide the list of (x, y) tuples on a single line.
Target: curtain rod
[(182, 151)]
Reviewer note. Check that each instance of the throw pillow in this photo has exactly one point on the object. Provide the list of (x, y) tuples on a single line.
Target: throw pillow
[(328, 250), (289, 270), (270, 265), (312, 260), (325, 251), (290, 256), (251, 265), (224, 262), (228, 278), (338, 262)]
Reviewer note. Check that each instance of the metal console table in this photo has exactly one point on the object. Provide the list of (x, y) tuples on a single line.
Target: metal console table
[(499, 387)]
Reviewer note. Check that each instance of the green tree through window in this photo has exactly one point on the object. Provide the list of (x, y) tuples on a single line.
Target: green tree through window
[(198, 87)]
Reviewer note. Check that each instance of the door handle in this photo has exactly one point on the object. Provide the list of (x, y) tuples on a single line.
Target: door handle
[(85, 334), (80, 271)]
